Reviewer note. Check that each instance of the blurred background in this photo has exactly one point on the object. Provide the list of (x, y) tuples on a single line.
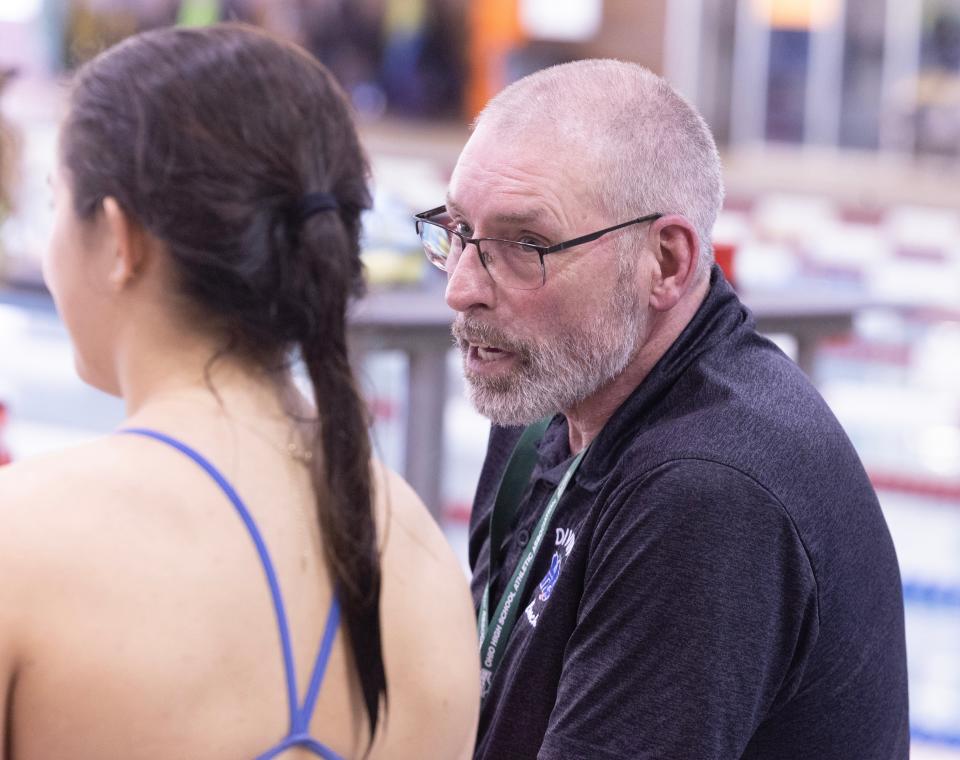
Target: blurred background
[(839, 125)]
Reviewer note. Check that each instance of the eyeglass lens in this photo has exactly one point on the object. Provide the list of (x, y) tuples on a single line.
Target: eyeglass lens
[(509, 264)]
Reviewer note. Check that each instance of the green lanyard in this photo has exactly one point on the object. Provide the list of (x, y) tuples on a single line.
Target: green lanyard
[(493, 638)]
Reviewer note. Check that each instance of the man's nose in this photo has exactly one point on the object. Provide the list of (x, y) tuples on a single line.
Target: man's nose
[(469, 283)]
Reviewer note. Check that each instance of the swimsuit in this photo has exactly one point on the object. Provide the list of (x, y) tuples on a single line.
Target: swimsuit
[(298, 734)]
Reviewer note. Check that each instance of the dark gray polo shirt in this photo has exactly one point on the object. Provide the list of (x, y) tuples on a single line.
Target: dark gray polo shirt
[(718, 581)]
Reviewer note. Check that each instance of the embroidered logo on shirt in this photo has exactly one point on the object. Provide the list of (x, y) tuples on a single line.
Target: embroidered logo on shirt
[(565, 539)]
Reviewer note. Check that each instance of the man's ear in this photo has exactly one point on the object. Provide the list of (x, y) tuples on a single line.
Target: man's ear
[(676, 251), (129, 242)]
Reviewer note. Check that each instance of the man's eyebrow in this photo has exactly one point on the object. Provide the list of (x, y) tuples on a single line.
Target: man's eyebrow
[(513, 217), (520, 217), (451, 205)]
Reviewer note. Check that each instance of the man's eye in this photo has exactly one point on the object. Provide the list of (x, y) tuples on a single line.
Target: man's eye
[(463, 228), (526, 240)]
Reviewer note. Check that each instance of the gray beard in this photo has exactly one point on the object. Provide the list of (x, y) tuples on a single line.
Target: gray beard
[(553, 375)]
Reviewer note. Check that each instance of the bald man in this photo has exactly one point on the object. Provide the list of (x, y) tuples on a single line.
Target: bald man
[(676, 551)]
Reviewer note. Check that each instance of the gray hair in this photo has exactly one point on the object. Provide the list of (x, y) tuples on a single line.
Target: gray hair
[(650, 150)]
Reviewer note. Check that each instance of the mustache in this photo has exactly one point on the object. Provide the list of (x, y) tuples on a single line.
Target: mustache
[(469, 330)]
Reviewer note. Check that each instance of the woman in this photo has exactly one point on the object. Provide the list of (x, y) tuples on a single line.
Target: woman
[(207, 222)]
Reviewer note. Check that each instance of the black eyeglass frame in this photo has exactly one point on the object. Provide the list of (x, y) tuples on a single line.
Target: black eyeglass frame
[(541, 250)]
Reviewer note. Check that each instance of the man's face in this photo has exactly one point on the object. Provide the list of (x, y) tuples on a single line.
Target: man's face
[(528, 353)]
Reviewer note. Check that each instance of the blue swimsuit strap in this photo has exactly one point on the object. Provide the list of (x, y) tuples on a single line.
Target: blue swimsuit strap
[(298, 734)]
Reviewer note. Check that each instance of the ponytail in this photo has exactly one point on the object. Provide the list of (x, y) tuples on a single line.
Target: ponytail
[(341, 478), (341, 473)]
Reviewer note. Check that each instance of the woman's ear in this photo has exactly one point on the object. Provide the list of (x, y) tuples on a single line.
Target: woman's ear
[(676, 250), (129, 243)]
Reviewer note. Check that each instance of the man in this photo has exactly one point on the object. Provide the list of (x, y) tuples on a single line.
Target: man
[(689, 562)]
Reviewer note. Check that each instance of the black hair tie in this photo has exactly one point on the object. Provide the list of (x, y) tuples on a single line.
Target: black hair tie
[(314, 203)]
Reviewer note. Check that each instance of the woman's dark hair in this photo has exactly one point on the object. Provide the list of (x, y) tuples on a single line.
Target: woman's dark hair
[(210, 139)]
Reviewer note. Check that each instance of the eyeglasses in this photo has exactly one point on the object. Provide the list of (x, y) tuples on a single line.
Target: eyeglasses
[(509, 263)]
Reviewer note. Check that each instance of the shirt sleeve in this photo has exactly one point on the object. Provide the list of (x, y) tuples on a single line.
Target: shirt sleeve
[(698, 612)]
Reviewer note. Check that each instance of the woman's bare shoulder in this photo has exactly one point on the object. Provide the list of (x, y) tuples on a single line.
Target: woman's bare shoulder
[(413, 544), (45, 519), (51, 500), (430, 643), (38, 482)]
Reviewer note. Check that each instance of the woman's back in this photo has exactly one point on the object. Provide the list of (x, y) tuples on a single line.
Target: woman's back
[(142, 620), (207, 203)]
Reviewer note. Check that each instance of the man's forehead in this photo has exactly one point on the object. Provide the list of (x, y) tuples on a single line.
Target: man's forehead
[(495, 143), (530, 170), (532, 213)]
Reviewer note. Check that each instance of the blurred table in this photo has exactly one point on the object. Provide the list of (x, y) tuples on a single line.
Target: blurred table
[(416, 322), (808, 317)]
